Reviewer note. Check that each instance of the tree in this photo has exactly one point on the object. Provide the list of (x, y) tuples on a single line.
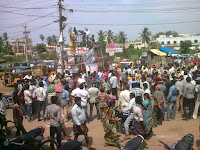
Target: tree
[(42, 37), (185, 46), (101, 36), (167, 33), (40, 48), (54, 40), (110, 36), (145, 36), (1, 45), (49, 40), (155, 45), (122, 37), (5, 36)]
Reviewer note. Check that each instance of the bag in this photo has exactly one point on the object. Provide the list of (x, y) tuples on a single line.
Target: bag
[(58, 88)]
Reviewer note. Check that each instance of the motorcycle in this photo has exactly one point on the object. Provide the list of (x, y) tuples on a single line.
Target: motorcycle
[(33, 139), (186, 143), (133, 144), (4, 122)]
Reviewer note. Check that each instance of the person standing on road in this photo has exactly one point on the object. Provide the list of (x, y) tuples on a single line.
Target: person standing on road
[(159, 98), (80, 92), (197, 103), (93, 91), (54, 112), (18, 117), (114, 85), (171, 101), (189, 101), (79, 121), (40, 94), (28, 101)]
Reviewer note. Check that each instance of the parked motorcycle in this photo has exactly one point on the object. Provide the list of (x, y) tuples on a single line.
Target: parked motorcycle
[(133, 144), (186, 143), (34, 139)]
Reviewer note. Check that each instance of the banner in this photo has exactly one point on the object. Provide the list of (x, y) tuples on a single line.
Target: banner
[(79, 51), (114, 47), (71, 60), (91, 67), (89, 56)]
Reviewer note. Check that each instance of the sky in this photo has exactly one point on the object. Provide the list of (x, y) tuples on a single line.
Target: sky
[(130, 16)]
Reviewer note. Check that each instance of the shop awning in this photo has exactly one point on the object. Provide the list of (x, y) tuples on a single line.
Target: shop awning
[(158, 52), (169, 50)]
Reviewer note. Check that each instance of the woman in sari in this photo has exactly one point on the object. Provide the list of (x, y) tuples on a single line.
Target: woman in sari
[(111, 136), (148, 112)]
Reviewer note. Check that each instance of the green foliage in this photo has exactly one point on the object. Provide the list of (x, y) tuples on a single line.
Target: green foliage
[(110, 36), (155, 45), (42, 37), (145, 36), (52, 40), (185, 46), (49, 56), (13, 58), (121, 37), (40, 48), (174, 33), (5, 46)]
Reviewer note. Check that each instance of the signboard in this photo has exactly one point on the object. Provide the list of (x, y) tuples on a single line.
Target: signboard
[(115, 47), (71, 60), (111, 53), (91, 67), (79, 51)]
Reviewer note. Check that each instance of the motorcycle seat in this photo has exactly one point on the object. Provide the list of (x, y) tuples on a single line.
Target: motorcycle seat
[(134, 143)]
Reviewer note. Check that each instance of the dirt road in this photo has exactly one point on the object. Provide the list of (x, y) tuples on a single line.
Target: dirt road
[(170, 132)]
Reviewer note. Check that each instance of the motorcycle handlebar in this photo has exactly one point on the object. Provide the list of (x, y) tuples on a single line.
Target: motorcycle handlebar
[(165, 145)]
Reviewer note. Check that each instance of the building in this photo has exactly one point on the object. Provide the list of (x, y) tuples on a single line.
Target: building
[(170, 41), (50, 48), (136, 44), (19, 46)]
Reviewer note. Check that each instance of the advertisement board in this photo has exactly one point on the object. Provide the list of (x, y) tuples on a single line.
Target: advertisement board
[(114, 47)]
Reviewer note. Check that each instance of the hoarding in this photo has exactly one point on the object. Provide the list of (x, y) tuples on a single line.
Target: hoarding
[(114, 47)]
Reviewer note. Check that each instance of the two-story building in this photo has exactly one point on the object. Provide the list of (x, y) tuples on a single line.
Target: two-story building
[(19, 46), (170, 41)]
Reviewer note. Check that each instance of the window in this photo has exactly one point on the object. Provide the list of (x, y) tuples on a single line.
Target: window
[(163, 42), (195, 41), (168, 42), (174, 42)]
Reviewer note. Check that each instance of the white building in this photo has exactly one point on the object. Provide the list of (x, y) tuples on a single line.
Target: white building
[(136, 44), (171, 41)]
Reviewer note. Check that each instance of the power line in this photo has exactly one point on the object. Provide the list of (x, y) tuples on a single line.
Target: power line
[(16, 25), (183, 22)]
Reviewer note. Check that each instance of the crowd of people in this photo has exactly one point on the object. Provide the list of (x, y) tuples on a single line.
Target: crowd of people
[(138, 96)]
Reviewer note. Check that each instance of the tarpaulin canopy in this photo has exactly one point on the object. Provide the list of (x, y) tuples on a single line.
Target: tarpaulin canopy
[(158, 52), (169, 50)]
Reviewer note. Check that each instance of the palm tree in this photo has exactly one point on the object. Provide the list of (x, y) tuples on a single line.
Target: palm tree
[(5, 36), (54, 40), (145, 36), (101, 36), (42, 37), (122, 37), (110, 36), (49, 40)]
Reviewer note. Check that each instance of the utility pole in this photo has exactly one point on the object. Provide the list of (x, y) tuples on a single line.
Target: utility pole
[(26, 41), (61, 34)]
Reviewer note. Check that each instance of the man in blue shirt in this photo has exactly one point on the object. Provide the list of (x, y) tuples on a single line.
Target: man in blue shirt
[(171, 101)]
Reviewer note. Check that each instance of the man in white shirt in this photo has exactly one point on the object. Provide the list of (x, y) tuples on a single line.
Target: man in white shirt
[(93, 91), (28, 77), (40, 94), (124, 99), (28, 101), (81, 80), (130, 117), (79, 121), (84, 95), (114, 85)]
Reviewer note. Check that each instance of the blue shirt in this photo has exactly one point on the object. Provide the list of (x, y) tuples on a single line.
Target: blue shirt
[(65, 97), (137, 91), (172, 95)]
